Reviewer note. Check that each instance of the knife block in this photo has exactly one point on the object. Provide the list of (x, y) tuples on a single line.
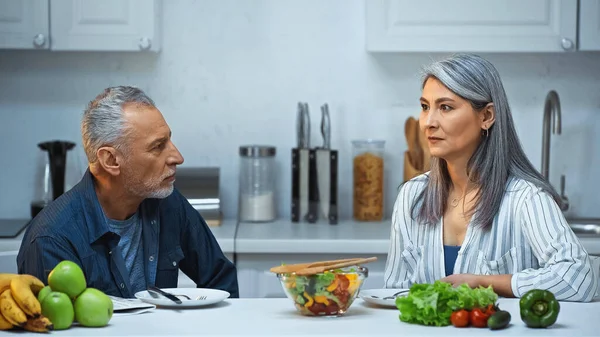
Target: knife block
[(305, 199)]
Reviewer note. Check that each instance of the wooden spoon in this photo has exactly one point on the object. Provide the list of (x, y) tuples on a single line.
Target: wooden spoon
[(290, 268), (425, 147), (320, 269), (411, 129)]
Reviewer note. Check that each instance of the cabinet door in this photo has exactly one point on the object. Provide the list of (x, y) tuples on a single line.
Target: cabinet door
[(24, 24), (105, 25), (589, 25), (471, 25)]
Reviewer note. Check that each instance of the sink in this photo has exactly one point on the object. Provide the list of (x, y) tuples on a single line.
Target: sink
[(585, 227)]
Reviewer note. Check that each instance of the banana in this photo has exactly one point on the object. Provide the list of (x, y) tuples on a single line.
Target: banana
[(38, 324), (5, 279), (10, 309), (22, 289), (5, 324)]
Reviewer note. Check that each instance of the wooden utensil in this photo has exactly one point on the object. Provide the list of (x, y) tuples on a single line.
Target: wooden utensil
[(425, 148), (290, 268), (409, 170), (411, 129), (320, 269)]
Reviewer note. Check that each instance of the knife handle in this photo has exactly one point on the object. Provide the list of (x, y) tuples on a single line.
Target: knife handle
[(165, 294)]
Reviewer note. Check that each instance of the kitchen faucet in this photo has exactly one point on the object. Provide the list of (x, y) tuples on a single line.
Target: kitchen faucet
[(552, 110)]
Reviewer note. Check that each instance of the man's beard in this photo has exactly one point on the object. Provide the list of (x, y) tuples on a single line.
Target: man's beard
[(147, 189)]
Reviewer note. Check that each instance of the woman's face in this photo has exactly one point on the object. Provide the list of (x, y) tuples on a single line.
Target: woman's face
[(453, 128)]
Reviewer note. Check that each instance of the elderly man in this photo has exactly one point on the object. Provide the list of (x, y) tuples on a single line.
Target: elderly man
[(124, 223)]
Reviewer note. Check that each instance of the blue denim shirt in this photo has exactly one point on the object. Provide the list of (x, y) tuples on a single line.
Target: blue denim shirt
[(175, 236)]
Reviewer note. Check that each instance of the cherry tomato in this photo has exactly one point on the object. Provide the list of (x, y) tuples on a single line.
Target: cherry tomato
[(460, 318), (479, 318)]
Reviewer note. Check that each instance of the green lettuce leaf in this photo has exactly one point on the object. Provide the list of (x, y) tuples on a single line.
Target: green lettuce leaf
[(432, 304)]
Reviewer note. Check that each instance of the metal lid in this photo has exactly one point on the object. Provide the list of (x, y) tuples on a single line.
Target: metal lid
[(257, 151)]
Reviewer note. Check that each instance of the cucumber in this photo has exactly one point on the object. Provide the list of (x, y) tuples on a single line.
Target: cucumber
[(499, 320)]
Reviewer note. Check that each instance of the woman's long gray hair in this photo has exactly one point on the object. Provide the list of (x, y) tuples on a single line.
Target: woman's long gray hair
[(499, 155)]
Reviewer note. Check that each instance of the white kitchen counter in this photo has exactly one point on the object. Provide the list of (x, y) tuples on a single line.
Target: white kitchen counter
[(284, 236), (278, 317), (347, 237)]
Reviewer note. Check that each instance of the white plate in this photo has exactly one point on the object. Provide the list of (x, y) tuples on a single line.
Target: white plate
[(212, 296), (376, 296)]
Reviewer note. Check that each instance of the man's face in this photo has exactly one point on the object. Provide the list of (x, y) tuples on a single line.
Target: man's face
[(149, 157)]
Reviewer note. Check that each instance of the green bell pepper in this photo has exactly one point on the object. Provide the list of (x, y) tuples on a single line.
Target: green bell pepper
[(539, 308)]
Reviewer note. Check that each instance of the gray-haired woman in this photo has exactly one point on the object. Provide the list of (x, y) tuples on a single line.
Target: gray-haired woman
[(482, 215)]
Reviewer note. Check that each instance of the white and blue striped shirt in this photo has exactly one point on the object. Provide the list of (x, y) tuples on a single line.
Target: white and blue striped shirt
[(529, 239)]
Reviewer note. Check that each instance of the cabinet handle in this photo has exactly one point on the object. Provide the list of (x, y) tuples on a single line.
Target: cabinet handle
[(39, 40), (567, 44), (145, 43)]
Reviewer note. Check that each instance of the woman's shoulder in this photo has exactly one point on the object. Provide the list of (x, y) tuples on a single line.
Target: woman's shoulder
[(523, 189), (411, 188)]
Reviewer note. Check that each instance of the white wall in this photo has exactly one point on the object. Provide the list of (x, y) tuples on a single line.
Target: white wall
[(231, 73)]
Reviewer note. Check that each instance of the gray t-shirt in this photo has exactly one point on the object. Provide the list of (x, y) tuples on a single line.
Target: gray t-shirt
[(131, 246)]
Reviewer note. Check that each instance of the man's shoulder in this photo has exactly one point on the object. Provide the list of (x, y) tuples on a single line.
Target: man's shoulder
[(59, 219)]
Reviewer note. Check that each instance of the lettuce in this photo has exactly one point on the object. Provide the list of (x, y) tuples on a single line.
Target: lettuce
[(432, 304)]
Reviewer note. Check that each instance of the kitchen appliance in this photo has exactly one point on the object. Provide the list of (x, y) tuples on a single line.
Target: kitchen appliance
[(314, 171), (257, 184), (57, 172), (200, 186)]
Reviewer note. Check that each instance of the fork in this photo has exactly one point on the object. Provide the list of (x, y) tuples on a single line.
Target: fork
[(201, 298), (393, 296)]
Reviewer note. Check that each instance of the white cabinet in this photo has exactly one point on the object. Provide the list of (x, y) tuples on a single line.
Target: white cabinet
[(81, 25), (104, 25), (471, 25), (589, 25), (256, 281), (24, 24)]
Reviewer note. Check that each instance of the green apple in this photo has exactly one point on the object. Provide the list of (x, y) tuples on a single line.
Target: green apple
[(45, 291), (58, 308), (67, 277), (93, 308)]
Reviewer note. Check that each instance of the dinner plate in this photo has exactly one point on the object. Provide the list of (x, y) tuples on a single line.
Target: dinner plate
[(383, 297), (199, 297)]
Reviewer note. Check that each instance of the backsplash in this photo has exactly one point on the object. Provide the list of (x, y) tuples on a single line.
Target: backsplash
[(227, 67)]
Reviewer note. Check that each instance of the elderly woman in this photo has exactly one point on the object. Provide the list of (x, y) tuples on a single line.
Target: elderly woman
[(482, 215)]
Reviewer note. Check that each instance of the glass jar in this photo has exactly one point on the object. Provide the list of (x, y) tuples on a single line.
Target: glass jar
[(368, 175), (257, 183)]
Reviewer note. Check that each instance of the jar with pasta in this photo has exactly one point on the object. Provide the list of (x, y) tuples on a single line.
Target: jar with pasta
[(368, 159)]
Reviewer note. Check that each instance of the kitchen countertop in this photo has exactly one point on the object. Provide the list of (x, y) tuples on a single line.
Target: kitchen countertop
[(278, 317), (347, 237), (284, 236), (224, 234)]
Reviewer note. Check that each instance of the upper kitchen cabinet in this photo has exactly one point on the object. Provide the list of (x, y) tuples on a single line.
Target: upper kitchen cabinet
[(80, 25), (24, 24), (105, 25), (471, 25), (589, 25)]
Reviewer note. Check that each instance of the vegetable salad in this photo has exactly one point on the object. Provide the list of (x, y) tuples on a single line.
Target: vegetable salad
[(327, 293)]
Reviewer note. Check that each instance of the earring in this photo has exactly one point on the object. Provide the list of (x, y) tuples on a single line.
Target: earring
[(485, 132)]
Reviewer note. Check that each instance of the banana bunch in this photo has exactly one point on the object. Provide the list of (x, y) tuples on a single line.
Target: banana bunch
[(19, 306)]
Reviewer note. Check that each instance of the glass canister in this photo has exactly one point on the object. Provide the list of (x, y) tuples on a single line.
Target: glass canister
[(257, 183), (368, 175)]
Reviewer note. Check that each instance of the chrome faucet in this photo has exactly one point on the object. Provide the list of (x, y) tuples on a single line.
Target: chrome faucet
[(552, 110)]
